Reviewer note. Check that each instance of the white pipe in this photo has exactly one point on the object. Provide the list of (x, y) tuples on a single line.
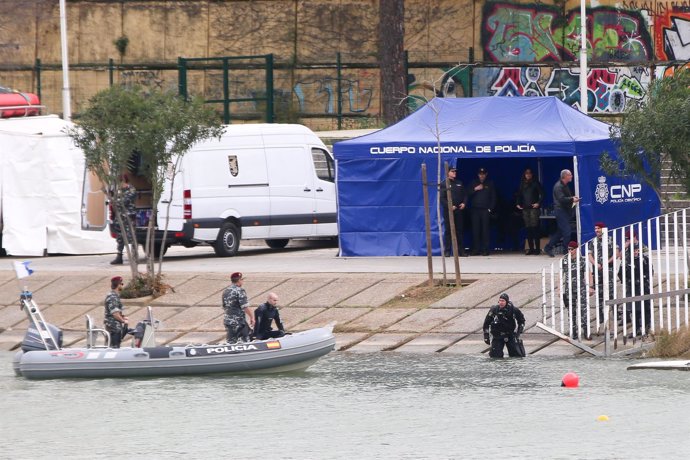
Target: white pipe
[(685, 261), (560, 300), (553, 301), (661, 279), (624, 284), (597, 281), (605, 276), (588, 268), (578, 314), (571, 312), (66, 102), (633, 280), (668, 274), (675, 265), (543, 295), (651, 274), (642, 321), (583, 57)]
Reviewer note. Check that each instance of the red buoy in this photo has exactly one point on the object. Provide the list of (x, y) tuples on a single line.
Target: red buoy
[(570, 380)]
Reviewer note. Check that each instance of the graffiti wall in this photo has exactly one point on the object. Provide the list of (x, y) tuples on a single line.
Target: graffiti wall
[(504, 47), (542, 33)]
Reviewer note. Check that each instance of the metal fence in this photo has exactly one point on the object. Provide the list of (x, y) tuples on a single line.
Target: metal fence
[(631, 280)]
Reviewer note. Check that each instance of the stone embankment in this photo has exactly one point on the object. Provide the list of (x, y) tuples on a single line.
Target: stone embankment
[(368, 308)]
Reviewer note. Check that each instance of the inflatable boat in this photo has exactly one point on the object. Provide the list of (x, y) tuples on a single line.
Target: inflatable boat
[(42, 355), (16, 104)]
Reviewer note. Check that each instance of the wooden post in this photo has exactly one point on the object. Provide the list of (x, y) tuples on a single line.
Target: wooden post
[(427, 224), (451, 221)]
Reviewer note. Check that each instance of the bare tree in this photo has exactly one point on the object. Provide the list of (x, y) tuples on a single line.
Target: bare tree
[(392, 60)]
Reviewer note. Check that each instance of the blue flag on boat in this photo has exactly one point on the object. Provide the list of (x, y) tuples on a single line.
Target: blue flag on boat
[(22, 269)]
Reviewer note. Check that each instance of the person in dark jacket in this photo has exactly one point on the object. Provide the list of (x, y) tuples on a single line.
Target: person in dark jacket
[(505, 322), (455, 209), (264, 315), (483, 195), (563, 201), (529, 198)]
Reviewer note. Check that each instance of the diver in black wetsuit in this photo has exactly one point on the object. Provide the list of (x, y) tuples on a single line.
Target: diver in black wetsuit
[(502, 321), (264, 315)]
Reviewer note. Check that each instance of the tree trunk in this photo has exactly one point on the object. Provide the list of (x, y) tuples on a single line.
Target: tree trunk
[(392, 60)]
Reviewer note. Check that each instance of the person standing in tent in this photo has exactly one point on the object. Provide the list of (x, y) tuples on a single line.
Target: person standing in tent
[(529, 198), (563, 203), (124, 206), (483, 195), (453, 211)]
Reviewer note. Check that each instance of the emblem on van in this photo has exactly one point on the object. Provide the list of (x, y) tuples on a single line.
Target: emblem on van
[(232, 164)]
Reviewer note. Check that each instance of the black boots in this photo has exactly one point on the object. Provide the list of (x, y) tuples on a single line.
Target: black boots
[(117, 260)]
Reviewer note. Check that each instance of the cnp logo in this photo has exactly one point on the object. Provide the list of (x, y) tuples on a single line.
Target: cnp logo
[(626, 193), (621, 192)]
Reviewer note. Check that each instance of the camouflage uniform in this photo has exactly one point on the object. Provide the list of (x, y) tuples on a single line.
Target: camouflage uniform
[(234, 301), (570, 279), (114, 327), (599, 273), (126, 208)]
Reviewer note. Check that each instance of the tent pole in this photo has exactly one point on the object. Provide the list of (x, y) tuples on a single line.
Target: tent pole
[(576, 176), (427, 225)]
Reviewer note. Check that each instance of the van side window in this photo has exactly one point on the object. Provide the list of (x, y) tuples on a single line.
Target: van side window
[(323, 164)]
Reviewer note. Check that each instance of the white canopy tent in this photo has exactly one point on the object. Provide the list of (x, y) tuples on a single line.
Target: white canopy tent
[(42, 191)]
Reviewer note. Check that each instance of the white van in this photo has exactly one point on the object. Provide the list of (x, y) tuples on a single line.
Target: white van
[(259, 181)]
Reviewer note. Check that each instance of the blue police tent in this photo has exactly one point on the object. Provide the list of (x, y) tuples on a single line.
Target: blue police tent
[(380, 198)]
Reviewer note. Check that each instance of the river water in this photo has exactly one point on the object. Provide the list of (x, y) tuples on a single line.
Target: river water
[(354, 406)]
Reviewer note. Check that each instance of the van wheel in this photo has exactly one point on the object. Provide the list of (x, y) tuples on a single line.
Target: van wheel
[(228, 241), (159, 249), (277, 244)]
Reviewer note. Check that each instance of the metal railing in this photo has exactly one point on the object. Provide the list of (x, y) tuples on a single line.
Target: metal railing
[(631, 280)]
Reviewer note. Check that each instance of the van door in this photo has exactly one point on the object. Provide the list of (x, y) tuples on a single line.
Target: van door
[(292, 190), (324, 191), (94, 207), (174, 203)]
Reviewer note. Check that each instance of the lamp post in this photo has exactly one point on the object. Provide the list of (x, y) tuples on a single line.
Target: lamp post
[(66, 103), (583, 57)]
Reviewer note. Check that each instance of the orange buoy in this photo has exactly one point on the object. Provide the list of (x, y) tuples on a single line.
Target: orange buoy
[(570, 380)]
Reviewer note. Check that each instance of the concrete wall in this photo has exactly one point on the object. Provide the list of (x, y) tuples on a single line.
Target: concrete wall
[(623, 37)]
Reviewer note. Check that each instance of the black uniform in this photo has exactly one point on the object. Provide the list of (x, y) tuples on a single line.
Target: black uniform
[(529, 194), (483, 202), (263, 316), (458, 196), (502, 322)]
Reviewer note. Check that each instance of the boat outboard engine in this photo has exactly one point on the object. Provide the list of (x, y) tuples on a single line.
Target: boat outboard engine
[(33, 342)]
